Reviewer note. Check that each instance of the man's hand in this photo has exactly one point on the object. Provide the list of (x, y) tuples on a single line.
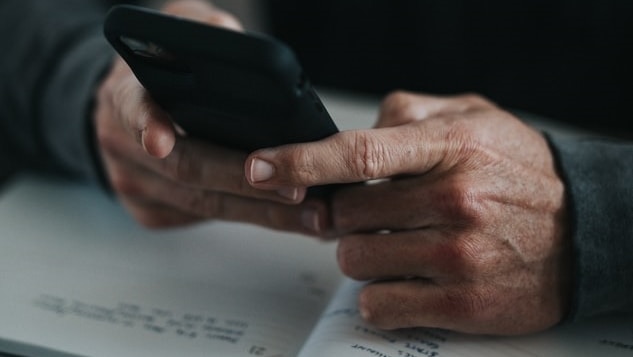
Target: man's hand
[(467, 233), (165, 178)]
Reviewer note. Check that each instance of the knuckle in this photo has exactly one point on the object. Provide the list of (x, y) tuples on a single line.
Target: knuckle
[(369, 156), (398, 104), (463, 257), (397, 98), (461, 132), (463, 141), (474, 100), (461, 201)]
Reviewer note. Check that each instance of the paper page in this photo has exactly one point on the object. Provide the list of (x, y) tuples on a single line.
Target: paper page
[(341, 332), (79, 277)]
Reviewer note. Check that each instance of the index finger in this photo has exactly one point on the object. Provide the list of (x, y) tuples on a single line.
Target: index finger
[(350, 156)]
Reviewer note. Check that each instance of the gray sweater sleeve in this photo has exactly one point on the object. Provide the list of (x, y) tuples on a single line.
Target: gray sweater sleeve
[(54, 54), (599, 178)]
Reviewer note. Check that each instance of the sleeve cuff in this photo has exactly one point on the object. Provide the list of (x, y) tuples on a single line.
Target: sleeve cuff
[(70, 134), (598, 175)]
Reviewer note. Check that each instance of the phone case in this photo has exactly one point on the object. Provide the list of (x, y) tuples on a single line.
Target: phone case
[(243, 91)]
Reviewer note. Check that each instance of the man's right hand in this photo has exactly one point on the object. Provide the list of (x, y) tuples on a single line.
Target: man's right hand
[(165, 178)]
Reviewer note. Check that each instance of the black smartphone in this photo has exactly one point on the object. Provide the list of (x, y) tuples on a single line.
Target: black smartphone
[(244, 91)]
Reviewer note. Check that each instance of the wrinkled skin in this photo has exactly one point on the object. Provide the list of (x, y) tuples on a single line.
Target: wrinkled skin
[(465, 231), (165, 178), (465, 228)]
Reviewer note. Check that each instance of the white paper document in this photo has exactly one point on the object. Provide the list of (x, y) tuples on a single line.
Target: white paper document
[(78, 277)]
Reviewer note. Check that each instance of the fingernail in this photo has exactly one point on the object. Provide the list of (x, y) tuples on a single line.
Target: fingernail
[(291, 193), (261, 170), (310, 220)]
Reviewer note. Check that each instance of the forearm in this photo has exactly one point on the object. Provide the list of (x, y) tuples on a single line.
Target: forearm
[(55, 56), (599, 180)]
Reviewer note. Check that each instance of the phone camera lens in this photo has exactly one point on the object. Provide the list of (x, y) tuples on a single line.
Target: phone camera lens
[(147, 49)]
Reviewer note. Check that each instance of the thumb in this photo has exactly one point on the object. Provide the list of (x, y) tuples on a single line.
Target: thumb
[(349, 156)]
